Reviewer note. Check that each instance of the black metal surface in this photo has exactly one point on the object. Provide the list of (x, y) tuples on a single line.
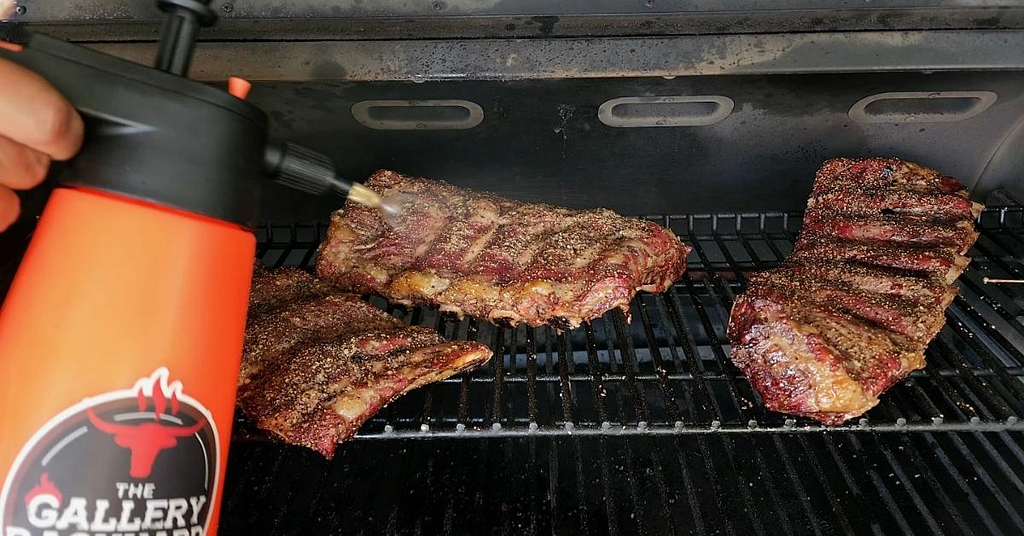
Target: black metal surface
[(838, 483), (270, 9), (133, 20), (647, 427), (598, 57), (542, 140), (541, 137)]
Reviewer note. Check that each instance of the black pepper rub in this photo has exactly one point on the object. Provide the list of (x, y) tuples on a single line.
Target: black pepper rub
[(850, 311), (318, 363)]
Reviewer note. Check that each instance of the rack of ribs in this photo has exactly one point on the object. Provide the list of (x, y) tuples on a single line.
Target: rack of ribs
[(850, 311), (318, 363), (507, 262)]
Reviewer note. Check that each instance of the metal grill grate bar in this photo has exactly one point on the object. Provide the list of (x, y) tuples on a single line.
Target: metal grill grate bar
[(668, 371)]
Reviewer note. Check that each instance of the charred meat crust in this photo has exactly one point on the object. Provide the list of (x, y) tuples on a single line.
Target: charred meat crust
[(850, 311), (318, 363), (789, 364), (935, 208), (499, 260)]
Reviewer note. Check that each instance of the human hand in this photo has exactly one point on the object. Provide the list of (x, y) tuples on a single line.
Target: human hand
[(37, 125)]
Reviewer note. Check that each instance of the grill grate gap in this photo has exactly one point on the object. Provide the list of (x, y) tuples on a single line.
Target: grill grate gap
[(668, 371)]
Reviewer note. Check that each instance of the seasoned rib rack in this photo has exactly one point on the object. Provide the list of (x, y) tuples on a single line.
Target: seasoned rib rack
[(851, 310), (495, 259), (318, 363)]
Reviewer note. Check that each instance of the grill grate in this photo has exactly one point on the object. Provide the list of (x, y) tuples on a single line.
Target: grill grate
[(784, 483), (668, 371), (646, 428)]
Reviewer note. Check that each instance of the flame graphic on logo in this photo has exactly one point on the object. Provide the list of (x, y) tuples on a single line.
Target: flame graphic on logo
[(45, 487), (157, 389)]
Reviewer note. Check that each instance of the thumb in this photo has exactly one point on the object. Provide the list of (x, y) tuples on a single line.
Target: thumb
[(10, 206)]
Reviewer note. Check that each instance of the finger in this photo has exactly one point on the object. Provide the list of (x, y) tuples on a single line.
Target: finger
[(21, 167), (9, 207), (35, 114)]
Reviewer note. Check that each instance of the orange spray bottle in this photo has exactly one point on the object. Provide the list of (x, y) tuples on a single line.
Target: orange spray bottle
[(121, 335)]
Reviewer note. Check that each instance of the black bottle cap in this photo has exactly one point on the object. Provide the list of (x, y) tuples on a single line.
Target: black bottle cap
[(155, 136)]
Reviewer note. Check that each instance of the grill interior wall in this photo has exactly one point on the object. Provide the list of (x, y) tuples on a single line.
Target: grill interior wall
[(542, 140)]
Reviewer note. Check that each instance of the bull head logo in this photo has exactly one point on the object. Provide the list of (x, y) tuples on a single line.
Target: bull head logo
[(146, 440)]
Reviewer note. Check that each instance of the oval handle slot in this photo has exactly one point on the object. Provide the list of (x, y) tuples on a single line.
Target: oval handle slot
[(443, 114), (921, 106), (665, 111)]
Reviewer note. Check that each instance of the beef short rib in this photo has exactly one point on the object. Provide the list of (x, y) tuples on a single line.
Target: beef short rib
[(318, 363), (850, 311), (499, 260)]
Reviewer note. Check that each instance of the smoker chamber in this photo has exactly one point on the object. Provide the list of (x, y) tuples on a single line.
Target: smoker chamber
[(703, 116), (647, 427)]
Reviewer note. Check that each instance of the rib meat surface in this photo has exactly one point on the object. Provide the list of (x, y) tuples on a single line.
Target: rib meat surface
[(318, 363), (272, 290), (507, 262), (850, 311)]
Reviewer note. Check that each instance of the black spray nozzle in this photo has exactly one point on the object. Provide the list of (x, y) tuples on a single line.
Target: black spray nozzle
[(303, 169), (178, 32), (311, 172)]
